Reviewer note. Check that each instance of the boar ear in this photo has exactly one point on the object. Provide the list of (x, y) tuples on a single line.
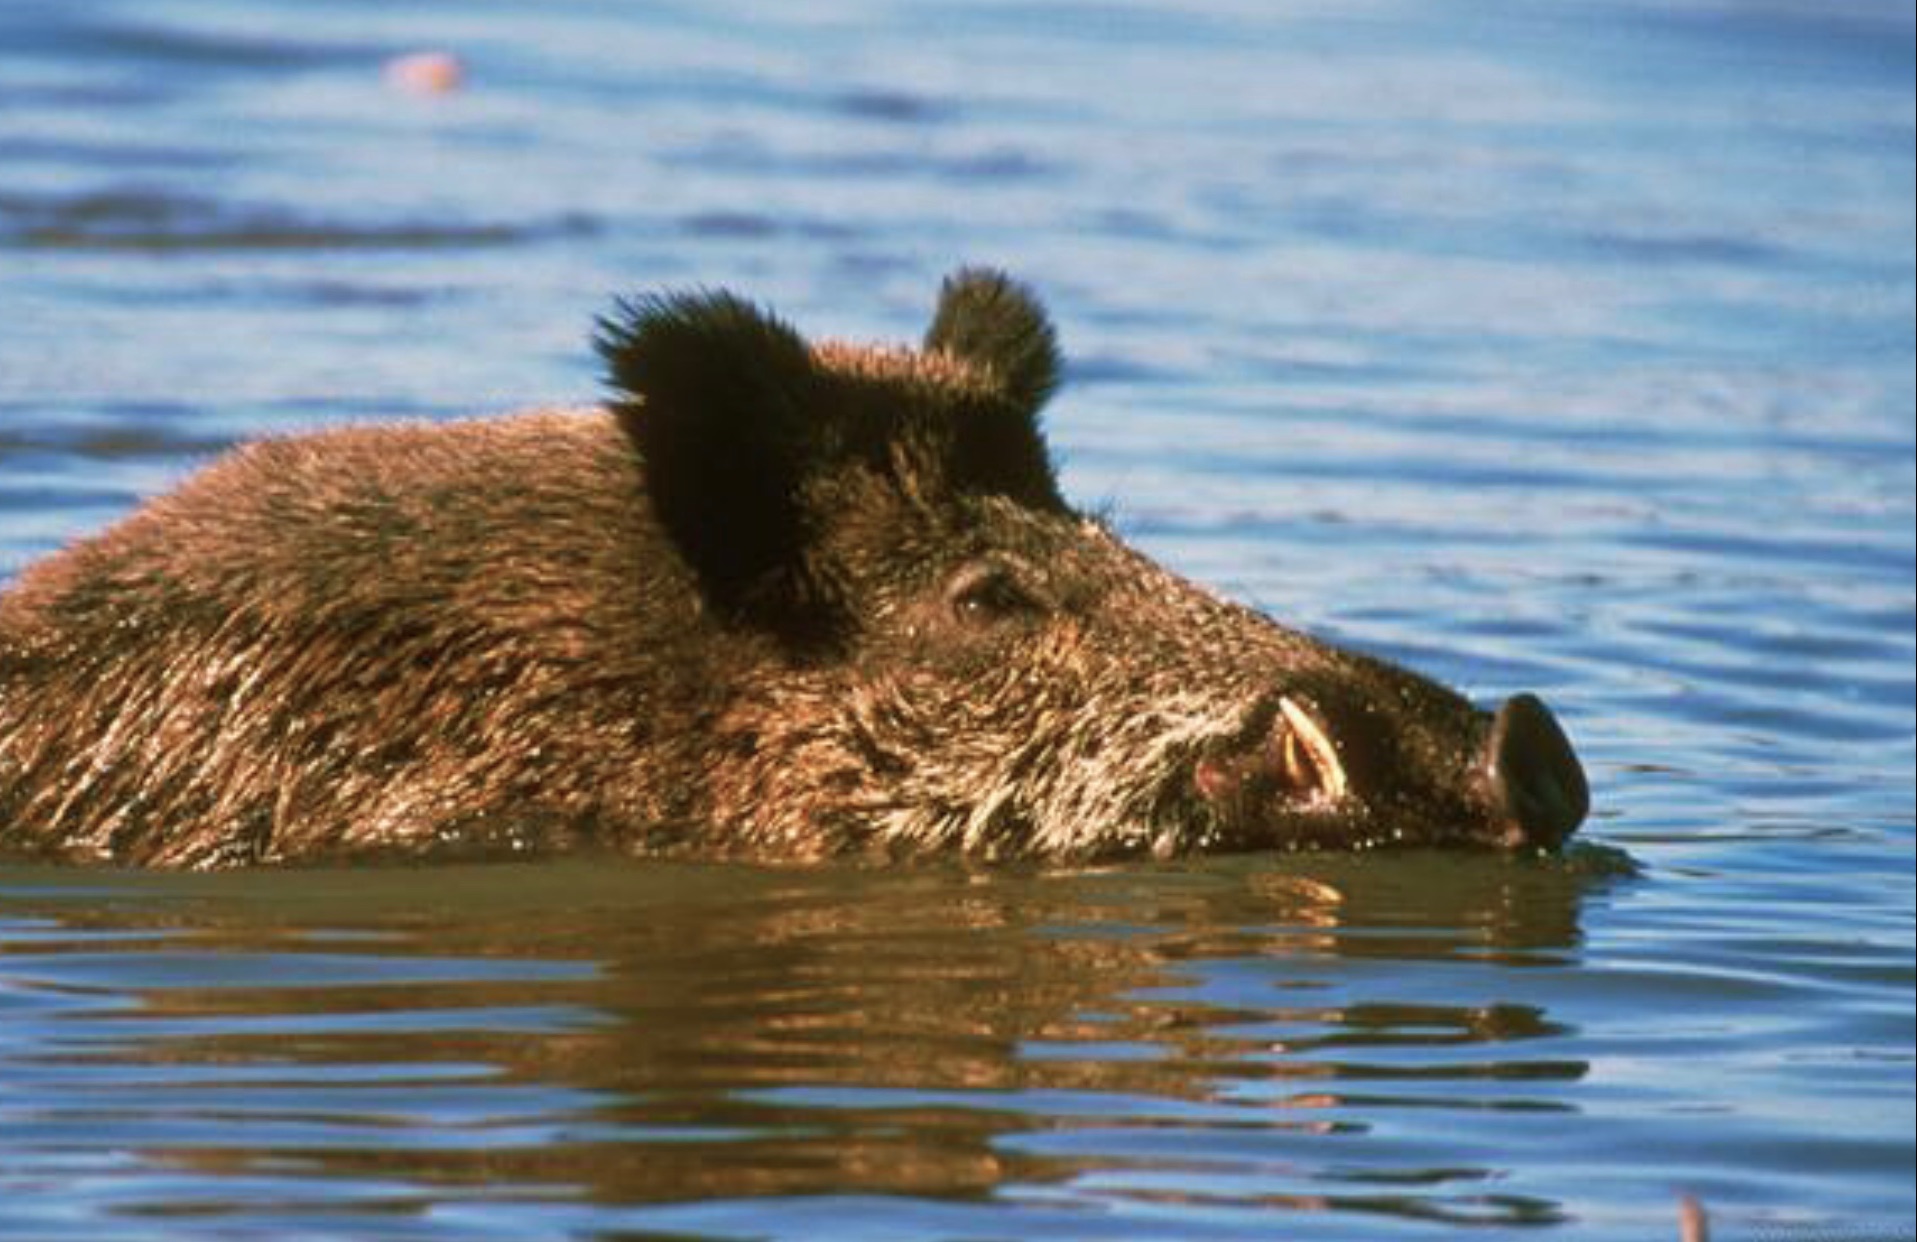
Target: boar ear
[(987, 318), (715, 394)]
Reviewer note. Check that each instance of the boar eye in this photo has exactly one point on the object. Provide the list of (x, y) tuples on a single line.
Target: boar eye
[(983, 594)]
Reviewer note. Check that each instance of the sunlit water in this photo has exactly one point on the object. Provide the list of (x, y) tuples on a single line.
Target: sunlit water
[(1551, 346)]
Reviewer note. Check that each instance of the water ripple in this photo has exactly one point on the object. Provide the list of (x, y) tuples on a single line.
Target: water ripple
[(161, 221)]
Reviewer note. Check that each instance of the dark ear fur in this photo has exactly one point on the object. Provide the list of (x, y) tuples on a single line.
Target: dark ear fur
[(717, 395), (988, 319)]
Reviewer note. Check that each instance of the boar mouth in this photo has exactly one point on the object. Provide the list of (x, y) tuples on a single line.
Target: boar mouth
[(1288, 764)]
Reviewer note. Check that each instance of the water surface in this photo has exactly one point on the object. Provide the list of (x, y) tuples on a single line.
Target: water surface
[(1560, 346)]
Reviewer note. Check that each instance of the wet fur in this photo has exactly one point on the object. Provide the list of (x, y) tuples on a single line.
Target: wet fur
[(776, 600)]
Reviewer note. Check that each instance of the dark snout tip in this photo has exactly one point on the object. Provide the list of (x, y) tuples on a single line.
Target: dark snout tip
[(1535, 777)]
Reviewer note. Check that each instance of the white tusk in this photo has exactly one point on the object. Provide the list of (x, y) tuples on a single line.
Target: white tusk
[(1324, 756)]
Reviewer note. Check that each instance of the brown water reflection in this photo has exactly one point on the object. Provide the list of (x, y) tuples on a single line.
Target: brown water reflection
[(1228, 1032)]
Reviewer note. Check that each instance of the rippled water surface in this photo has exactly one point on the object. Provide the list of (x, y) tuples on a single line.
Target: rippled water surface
[(1562, 346)]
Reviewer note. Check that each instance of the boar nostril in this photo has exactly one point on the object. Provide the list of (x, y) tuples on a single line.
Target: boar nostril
[(1534, 774)]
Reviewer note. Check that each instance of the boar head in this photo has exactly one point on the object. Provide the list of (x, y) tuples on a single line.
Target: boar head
[(937, 652)]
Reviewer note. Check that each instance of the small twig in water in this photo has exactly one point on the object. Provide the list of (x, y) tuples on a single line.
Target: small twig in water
[(1693, 1224)]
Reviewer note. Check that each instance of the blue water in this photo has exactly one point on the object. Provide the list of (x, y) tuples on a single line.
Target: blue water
[(1563, 346)]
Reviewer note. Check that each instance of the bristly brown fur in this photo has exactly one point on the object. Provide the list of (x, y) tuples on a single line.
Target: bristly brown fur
[(776, 601)]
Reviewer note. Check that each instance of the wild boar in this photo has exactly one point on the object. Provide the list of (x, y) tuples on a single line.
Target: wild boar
[(774, 601)]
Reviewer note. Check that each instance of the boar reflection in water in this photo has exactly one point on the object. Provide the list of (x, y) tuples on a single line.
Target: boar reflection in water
[(777, 1010), (777, 600)]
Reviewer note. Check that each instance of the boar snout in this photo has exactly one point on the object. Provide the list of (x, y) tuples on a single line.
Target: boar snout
[(1534, 777), (1305, 773)]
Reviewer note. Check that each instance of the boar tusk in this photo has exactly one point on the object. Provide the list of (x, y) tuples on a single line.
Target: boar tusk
[(1318, 747)]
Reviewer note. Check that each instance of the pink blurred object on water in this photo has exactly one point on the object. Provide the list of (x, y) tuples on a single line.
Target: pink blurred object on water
[(426, 73)]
